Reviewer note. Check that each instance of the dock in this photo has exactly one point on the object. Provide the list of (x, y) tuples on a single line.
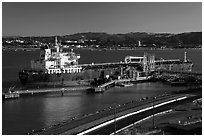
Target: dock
[(190, 73), (107, 85), (104, 86), (18, 93)]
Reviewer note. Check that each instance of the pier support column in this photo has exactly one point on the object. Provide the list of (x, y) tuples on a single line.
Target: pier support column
[(62, 92), (138, 75), (121, 71), (190, 69)]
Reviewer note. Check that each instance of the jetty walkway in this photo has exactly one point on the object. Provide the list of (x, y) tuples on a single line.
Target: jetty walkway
[(33, 91), (18, 93), (105, 86)]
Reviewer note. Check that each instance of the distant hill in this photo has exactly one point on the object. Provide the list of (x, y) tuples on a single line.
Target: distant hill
[(104, 40)]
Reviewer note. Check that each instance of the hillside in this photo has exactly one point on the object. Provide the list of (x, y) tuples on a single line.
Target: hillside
[(104, 40)]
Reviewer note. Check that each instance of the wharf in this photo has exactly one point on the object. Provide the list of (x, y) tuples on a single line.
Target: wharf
[(104, 86), (18, 93), (107, 85), (183, 77), (190, 73)]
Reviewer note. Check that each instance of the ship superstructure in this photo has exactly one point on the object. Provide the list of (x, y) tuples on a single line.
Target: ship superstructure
[(53, 61)]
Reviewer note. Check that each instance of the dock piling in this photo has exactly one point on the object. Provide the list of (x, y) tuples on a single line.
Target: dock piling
[(62, 92)]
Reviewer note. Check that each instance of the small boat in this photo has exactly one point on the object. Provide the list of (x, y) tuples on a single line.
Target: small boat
[(125, 84)]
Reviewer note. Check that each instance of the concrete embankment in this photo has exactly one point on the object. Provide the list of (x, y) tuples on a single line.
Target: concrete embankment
[(79, 125)]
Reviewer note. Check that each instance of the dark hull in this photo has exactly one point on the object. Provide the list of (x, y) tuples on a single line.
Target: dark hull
[(38, 79)]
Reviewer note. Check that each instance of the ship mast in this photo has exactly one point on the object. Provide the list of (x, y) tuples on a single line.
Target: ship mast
[(58, 53), (56, 44)]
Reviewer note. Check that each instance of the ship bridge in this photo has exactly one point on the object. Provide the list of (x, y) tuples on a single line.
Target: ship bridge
[(133, 59)]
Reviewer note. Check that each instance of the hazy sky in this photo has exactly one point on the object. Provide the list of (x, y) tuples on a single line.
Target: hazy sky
[(42, 19)]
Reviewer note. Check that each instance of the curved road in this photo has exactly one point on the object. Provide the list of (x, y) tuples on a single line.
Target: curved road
[(119, 124), (81, 124)]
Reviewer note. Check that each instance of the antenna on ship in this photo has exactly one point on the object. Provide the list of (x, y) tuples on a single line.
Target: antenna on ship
[(56, 44), (55, 40)]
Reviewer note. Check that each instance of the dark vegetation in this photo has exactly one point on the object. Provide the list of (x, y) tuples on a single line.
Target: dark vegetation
[(104, 40)]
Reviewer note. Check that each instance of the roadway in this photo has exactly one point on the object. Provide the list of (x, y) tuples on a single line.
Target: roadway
[(119, 124), (78, 125)]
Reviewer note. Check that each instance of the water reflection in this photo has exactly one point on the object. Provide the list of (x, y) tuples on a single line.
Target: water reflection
[(27, 113)]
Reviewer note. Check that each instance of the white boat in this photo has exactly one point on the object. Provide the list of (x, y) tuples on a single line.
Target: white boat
[(125, 84)]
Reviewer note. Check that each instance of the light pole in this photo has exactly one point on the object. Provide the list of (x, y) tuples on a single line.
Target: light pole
[(153, 112), (115, 120)]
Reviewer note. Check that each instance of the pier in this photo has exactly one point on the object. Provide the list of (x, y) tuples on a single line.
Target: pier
[(190, 73), (107, 85), (18, 93), (104, 86), (51, 90), (182, 74)]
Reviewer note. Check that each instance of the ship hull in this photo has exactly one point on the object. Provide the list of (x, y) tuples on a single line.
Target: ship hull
[(39, 79), (36, 79)]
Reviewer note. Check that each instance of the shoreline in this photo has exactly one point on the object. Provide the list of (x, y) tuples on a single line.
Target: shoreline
[(100, 49)]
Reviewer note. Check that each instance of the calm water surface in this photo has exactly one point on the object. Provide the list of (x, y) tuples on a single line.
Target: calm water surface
[(13, 62), (34, 112)]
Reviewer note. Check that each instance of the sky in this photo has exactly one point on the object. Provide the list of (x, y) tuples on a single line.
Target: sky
[(64, 18)]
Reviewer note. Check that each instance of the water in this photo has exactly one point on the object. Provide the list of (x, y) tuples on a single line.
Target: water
[(27, 113), (34, 112), (13, 62)]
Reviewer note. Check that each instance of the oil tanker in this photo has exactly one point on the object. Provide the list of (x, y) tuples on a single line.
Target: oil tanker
[(57, 68)]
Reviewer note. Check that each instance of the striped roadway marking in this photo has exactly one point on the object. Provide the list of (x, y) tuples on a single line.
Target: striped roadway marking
[(130, 114), (142, 120)]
